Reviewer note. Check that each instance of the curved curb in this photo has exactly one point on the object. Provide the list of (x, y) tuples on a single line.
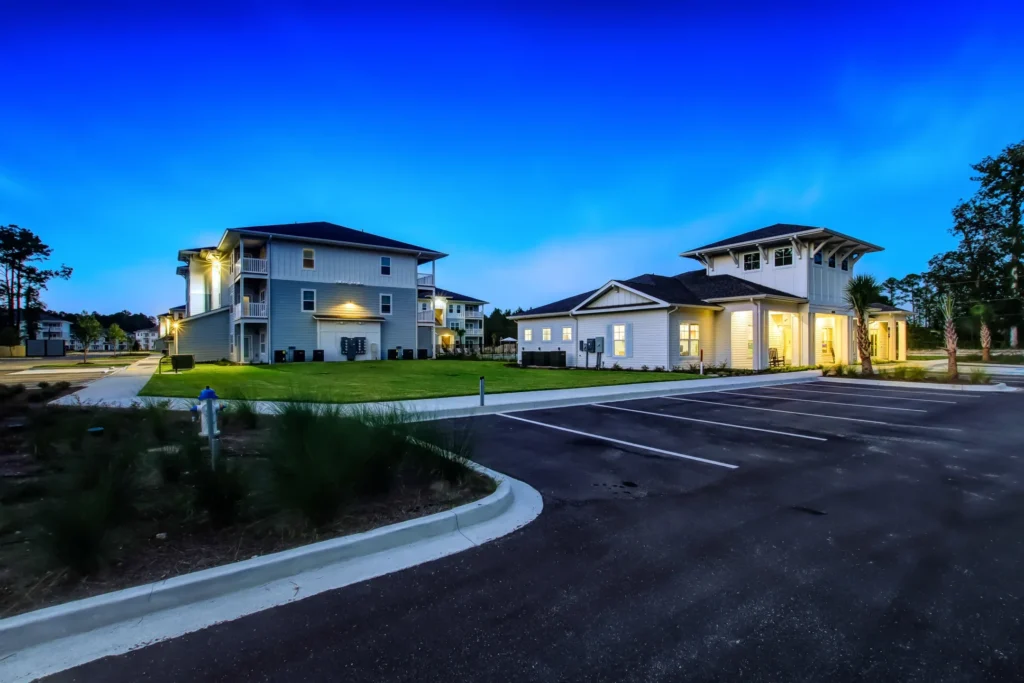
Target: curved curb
[(920, 385), (56, 638)]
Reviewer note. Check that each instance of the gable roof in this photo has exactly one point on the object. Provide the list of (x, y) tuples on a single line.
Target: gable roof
[(692, 288), (330, 232), (455, 296), (886, 308), (777, 232)]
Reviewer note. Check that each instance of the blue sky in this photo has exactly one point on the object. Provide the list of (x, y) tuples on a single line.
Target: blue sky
[(547, 149)]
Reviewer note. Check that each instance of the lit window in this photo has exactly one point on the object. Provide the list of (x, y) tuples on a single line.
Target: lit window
[(751, 262), (566, 334), (619, 340), (309, 300), (528, 335), (385, 304), (689, 339), (817, 259), (308, 259), (784, 257), (545, 334), (846, 264), (385, 265), (832, 261)]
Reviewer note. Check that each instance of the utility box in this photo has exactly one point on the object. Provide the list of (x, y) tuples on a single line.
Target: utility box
[(591, 346), (280, 356), (183, 361), (318, 355), (299, 355), (598, 344)]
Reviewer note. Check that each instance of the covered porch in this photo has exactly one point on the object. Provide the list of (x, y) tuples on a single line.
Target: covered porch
[(887, 331), (248, 342)]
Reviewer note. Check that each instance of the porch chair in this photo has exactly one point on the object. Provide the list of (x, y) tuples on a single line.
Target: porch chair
[(773, 358)]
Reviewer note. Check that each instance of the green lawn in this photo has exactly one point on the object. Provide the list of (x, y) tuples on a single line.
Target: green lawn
[(381, 380)]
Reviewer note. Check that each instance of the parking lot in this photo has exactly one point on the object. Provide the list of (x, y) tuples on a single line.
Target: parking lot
[(806, 532)]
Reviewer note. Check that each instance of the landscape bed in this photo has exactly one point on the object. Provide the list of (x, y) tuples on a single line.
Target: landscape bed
[(86, 512), (369, 381)]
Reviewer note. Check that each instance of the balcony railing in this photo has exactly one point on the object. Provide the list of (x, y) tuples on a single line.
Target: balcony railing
[(478, 315), (249, 310), (248, 264), (425, 279), (425, 317)]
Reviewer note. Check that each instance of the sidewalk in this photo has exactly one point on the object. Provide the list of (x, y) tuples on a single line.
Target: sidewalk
[(119, 391)]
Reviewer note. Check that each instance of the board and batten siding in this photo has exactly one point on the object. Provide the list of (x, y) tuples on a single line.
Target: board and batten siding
[(647, 343), (791, 279), (291, 326), (538, 325), (340, 265), (705, 318), (618, 297), (207, 337), (828, 284)]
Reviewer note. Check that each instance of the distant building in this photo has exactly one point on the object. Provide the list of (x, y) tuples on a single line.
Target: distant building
[(50, 327)]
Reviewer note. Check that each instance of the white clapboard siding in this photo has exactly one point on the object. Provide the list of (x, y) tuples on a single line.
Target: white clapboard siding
[(708, 335), (537, 325), (649, 338), (741, 329)]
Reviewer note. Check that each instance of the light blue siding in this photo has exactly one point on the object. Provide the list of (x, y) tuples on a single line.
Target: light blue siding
[(205, 337)]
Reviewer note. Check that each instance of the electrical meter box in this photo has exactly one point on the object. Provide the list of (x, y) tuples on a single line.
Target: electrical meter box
[(599, 345)]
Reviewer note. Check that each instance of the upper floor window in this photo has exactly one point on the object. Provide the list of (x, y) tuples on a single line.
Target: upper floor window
[(566, 334), (423, 305), (451, 308), (308, 259), (527, 335), (845, 264), (458, 308), (784, 257), (752, 261), (385, 265), (385, 304), (309, 300), (545, 334), (817, 259), (618, 340), (689, 339), (832, 261)]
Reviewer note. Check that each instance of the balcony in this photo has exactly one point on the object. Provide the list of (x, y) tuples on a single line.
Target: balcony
[(424, 279), (475, 315), (425, 317), (249, 310), (250, 266)]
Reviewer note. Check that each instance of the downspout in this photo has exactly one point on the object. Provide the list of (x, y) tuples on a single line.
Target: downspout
[(668, 365)]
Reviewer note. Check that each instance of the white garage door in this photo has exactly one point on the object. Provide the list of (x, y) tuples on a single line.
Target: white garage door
[(330, 334)]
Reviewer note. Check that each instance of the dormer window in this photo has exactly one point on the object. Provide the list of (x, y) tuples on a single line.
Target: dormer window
[(752, 261)]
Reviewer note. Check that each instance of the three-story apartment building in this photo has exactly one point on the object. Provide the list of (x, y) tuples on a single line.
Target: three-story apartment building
[(289, 292), (769, 297)]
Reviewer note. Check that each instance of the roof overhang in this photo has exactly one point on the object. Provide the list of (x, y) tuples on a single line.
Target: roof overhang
[(422, 255), (758, 297), (351, 319), (799, 238)]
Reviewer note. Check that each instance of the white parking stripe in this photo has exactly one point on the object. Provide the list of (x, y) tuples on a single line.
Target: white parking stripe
[(710, 422), (811, 400), (827, 417), (858, 393), (875, 387), (620, 442)]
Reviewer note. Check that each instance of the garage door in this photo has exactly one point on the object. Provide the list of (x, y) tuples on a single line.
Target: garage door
[(330, 334)]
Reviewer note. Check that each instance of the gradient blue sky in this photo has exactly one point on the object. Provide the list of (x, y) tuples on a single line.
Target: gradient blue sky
[(546, 149)]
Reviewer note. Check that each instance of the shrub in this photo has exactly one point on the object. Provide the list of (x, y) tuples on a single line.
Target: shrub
[(899, 372), (75, 530), (853, 371), (219, 491), (915, 374), (43, 385), (644, 368), (62, 385), (155, 413), (980, 376), (616, 366), (660, 368), (838, 370), (245, 411)]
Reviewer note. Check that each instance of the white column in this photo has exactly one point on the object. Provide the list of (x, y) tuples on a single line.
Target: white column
[(903, 340), (809, 340)]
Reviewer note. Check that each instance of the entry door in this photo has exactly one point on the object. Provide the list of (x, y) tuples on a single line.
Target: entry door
[(247, 348)]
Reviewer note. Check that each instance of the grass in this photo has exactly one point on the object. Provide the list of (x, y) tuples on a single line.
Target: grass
[(1001, 359), (381, 380)]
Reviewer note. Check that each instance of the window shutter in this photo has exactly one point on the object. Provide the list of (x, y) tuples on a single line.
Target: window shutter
[(629, 340), (609, 342)]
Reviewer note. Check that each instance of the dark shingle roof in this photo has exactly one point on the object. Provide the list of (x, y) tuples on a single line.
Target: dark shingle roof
[(457, 297), (887, 308), (322, 230), (692, 288), (770, 232)]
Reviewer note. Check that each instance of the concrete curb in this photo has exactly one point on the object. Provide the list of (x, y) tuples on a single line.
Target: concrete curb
[(920, 385), (41, 627)]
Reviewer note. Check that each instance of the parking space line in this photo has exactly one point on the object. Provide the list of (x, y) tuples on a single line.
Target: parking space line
[(620, 442), (858, 393), (831, 403), (874, 387), (711, 422), (795, 412)]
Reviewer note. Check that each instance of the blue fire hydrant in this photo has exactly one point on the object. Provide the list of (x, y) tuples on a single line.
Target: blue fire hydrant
[(208, 427)]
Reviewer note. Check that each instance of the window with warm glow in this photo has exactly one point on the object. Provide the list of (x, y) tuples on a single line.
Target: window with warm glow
[(689, 339), (566, 334), (308, 259), (527, 335), (545, 334), (619, 340)]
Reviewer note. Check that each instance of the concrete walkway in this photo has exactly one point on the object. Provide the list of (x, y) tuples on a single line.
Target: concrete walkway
[(122, 390)]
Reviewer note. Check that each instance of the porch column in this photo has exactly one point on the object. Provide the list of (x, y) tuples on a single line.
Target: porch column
[(903, 339), (890, 330), (240, 348), (809, 341)]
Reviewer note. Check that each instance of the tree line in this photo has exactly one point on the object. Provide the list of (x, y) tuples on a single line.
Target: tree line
[(497, 326), (23, 277), (983, 275)]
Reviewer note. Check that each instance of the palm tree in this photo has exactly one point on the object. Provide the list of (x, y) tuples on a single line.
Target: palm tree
[(984, 313), (951, 338), (861, 292)]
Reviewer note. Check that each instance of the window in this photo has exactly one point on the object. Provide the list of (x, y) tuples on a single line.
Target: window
[(846, 264), (527, 335), (751, 262), (817, 259), (423, 305), (832, 261), (618, 340), (308, 259), (545, 334), (385, 304), (451, 308), (309, 300), (689, 339), (566, 334), (263, 344), (385, 265), (784, 257), (458, 308)]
